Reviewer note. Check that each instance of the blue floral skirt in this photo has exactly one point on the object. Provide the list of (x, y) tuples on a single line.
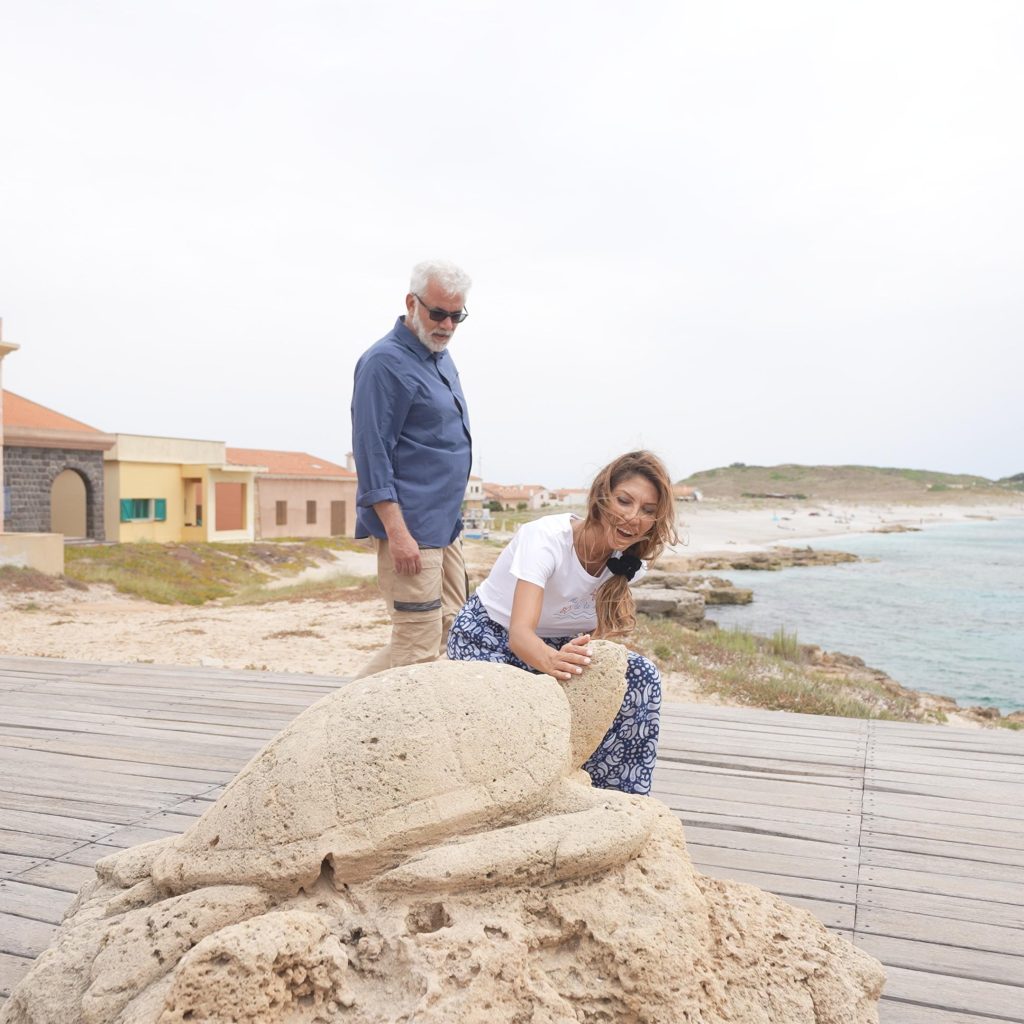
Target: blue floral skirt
[(625, 758)]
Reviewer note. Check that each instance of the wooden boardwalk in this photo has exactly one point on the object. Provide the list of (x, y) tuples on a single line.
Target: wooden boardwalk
[(907, 839)]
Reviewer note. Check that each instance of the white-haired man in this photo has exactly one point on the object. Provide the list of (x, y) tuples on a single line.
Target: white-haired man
[(413, 452)]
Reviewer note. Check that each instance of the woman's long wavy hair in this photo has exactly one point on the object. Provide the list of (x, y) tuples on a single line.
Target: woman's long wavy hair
[(616, 610)]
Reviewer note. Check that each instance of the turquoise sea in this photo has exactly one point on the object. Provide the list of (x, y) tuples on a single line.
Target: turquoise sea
[(941, 610)]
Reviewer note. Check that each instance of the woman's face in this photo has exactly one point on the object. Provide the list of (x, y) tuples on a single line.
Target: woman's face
[(631, 512)]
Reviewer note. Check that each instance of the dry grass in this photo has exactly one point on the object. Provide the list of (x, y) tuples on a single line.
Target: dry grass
[(769, 672), (191, 574), (17, 580)]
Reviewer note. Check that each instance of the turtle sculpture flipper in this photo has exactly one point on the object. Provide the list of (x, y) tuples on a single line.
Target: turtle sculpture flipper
[(399, 763), (550, 849)]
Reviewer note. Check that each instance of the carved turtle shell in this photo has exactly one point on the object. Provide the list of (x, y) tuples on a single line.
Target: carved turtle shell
[(397, 761)]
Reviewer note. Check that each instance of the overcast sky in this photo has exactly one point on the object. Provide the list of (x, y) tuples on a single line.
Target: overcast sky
[(728, 231)]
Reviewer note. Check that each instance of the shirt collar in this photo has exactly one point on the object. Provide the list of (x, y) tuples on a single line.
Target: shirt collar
[(413, 344)]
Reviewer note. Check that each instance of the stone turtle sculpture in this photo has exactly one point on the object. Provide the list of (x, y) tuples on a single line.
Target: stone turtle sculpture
[(421, 846), (387, 765)]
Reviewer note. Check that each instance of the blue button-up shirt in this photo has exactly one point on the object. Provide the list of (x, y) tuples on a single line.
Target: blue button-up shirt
[(410, 438)]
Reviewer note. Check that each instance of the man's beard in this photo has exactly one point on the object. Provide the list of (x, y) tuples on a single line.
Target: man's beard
[(422, 331)]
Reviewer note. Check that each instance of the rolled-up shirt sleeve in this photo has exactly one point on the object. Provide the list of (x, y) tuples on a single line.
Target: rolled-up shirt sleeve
[(380, 404)]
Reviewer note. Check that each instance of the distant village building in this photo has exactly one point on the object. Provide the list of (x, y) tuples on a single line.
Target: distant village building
[(300, 495), (53, 471), (26, 547), (476, 517), (573, 497), (177, 489), (514, 496)]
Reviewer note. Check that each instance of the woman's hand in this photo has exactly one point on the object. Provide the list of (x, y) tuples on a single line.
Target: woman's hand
[(569, 660)]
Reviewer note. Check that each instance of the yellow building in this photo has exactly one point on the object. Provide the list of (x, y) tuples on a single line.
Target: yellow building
[(175, 489)]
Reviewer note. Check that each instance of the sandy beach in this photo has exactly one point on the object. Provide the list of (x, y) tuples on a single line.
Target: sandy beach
[(714, 527), (336, 637)]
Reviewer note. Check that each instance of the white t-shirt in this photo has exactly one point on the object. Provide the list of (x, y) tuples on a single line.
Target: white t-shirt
[(541, 552)]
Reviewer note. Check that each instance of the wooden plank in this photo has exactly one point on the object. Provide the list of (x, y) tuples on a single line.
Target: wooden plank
[(954, 908), (123, 814), (911, 880), (234, 737), (727, 769), (24, 936), (61, 826), (987, 795), (941, 862), (781, 719), (926, 928), (12, 970), (762, 791), (13, 864), (1003, 770), (891, 1011), (975, 852), (669, 757), (69, 763), (210, 758), (844, 835), (910, 811), (692, 751), (151, 711), (949, 992), (54, 874), (780, 864), (33, 901), (122, 838), (877, 829), (735, 839), (34, 844), (757, 812), (87, 855), (48, 769), (834, 916), (170, 821), (936, 958)]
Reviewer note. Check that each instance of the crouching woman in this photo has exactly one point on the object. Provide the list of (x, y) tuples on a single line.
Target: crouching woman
[(563, 580)]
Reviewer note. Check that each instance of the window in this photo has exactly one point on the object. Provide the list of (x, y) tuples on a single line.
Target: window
[(134, 510), (281, 512), (310, 512)]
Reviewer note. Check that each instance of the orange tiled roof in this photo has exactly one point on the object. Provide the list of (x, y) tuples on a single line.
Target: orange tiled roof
[(287, 463), (512, 492), (20, 412)]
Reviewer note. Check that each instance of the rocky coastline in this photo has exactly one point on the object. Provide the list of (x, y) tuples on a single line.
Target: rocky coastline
[(674, 591)]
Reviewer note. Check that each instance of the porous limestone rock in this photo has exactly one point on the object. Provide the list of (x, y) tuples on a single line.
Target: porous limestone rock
[(684, 605), (421, 846)]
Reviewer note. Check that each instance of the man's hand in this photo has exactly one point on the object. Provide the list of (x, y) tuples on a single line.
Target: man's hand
[(405, 553)]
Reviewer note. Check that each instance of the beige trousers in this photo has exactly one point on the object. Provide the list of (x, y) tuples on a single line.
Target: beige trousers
[(422, 607)]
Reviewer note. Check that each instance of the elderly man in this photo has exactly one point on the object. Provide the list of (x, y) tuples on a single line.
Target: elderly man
[(411, 440)]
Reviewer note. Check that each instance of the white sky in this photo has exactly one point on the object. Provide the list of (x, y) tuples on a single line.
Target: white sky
[(764, 232)]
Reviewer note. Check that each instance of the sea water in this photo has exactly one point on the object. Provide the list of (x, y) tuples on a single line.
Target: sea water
[(941, 610)]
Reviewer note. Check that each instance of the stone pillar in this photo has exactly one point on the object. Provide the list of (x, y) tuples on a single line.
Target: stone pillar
[(5, 348)]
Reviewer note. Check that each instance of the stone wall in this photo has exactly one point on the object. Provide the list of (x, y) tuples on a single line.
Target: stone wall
[(30, 472)]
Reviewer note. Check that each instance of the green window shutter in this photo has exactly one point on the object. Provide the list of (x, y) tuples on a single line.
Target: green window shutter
[(126, 510), (161, 509)]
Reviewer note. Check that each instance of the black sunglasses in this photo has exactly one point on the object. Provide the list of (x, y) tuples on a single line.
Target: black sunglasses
[(440, 315)]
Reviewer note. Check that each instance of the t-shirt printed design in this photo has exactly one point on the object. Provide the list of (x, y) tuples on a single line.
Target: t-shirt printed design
[(577, 607)]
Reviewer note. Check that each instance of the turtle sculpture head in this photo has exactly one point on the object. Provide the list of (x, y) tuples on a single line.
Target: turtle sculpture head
[(386, 768)]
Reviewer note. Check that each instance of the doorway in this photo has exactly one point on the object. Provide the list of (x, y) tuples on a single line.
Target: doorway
[(68, 500)]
